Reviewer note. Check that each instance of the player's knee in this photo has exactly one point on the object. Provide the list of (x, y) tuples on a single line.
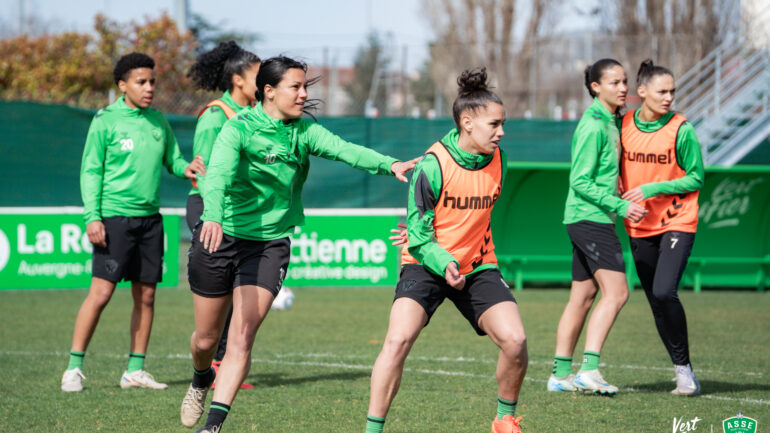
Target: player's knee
[(148, 298), (205, 343), (515, 343), (100, 298), (397, 345), (618, 298), (665, 295), (239, 343)]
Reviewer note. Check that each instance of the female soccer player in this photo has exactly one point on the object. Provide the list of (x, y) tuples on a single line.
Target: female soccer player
[(232, 70), (450, 253), (597, 258), (662, 167), (128, 142), (252, 203)]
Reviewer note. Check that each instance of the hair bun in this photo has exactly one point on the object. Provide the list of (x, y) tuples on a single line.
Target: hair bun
[(472, 80)]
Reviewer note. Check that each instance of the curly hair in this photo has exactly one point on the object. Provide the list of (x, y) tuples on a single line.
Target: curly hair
[(130, 62), (214, 69)]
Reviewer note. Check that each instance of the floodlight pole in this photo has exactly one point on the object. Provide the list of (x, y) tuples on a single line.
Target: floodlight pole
[(182, 13)]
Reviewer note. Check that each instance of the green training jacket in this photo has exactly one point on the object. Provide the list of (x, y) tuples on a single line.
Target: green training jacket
[(593, 176), (424, 194), (206, 130), (253, 185), (120, 172)]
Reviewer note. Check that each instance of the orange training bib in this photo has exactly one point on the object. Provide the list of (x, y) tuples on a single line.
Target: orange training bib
[(462, 221), (651, 157)]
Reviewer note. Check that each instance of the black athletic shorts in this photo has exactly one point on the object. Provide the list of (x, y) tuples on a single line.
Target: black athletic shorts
[(482, 290), (134, 250), (237, 262), (194, 210), (594, 246)]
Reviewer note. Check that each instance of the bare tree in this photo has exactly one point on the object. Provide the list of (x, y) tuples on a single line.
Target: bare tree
[(677, 33), (498, 34)]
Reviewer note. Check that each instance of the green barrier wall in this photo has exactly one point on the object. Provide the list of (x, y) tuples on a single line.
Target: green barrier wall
[(42, 146), (732, 246)]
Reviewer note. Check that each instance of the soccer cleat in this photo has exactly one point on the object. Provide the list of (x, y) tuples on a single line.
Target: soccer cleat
[(192, 405), (210, 429), (140, 379), (508, 424), (562, 383), (686, 382), (72, 380), (592, 381)]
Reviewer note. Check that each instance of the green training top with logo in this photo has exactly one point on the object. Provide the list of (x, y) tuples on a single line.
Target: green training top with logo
[(206, 130), (593, 176), (688, 156), (253, 185), (424, 192), (125, 149)]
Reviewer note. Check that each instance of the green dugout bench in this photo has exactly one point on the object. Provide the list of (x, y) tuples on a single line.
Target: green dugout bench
[(732, 246)]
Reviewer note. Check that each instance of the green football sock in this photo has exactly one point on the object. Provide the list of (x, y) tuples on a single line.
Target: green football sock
[(505, 407), (76, 360), (590, 361), (562, 366), (374, 424), (135, 362), (217, 414)]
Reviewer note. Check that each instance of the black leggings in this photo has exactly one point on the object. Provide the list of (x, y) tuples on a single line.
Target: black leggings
[(194, 212), (660, 261)]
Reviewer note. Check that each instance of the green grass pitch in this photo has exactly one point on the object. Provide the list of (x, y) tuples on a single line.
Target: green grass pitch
[(311, 367)]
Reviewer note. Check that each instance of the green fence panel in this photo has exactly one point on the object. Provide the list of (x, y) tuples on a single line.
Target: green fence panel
[(42, 147), (41, 250), (732, 246)]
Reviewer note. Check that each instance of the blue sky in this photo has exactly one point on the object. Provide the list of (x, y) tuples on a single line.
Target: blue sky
[(299, 28)]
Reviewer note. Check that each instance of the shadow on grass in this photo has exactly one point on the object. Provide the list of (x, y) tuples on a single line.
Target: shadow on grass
[(283, 379), (707, 387)]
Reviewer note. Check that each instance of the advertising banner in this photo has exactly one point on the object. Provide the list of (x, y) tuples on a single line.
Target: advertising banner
[(343, 250), (52, 251)]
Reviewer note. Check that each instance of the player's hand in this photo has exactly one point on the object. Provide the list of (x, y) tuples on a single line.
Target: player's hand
[(635, 212), (453, 277), (399, 168), (196, 167), (635, 195), (211, 236), (400, 235), (96, 233), (619, 183)]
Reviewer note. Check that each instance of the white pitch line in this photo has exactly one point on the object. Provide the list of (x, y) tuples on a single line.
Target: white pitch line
[(366, 367), (490, 361), (413, 358)]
